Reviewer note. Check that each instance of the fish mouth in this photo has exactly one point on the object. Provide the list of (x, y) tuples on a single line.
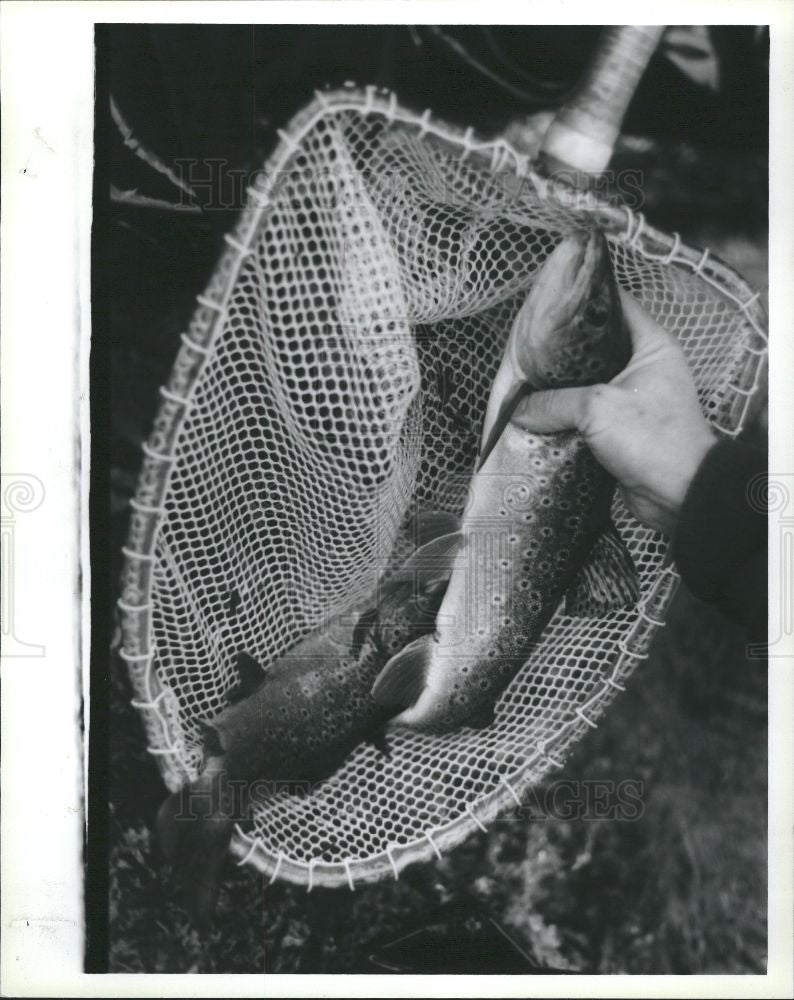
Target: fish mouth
[(567, 263), (574, 266), (550, 317)]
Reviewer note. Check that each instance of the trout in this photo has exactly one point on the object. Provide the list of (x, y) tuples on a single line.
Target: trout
[(288, 727), (536, 528)]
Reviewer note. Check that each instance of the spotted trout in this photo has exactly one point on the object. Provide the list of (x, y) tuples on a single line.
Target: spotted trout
[(288, 727), (536, 528)]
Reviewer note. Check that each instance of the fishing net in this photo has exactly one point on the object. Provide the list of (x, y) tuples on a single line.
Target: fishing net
[(333, 378)]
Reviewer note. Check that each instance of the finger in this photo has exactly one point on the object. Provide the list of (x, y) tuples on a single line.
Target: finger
[(646, 333), (553, 410)]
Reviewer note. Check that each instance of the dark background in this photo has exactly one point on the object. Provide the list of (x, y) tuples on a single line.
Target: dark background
[(682, 889)]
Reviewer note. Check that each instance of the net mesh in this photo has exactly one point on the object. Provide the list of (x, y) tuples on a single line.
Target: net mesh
[(334, 375)]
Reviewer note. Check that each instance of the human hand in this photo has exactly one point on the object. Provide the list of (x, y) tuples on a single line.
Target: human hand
[(645, 426)]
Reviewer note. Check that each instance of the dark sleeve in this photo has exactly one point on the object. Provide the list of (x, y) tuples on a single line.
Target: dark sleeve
[(720, 544)]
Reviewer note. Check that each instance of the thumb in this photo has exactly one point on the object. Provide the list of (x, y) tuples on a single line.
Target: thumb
[(646, 333), (553, 410)]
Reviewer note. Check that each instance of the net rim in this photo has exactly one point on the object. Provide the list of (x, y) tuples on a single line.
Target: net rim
[(138, 652)]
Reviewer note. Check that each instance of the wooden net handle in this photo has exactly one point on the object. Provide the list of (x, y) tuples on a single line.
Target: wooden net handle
[(583, 133)]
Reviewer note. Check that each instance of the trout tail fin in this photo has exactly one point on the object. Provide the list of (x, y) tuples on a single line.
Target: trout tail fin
[(194, 827)]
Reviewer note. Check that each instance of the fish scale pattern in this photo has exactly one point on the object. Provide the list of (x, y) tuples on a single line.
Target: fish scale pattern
[(333, 380)]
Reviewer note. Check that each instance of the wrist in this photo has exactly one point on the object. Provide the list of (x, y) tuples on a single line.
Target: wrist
[(658, 497), (686, 467)]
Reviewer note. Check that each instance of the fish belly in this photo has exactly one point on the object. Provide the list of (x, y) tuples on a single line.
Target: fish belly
[(533, 511)]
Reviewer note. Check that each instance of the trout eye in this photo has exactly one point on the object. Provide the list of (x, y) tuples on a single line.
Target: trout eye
[(596, 313)]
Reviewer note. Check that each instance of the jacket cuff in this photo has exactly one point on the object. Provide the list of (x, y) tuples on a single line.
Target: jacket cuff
[(723, 519)]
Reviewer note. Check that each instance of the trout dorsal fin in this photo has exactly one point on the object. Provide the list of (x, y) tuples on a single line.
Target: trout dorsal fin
[(250, 676), (606, 582), (401, 682)]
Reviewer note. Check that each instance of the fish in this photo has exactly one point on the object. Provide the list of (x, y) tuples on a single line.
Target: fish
[(288, 727), (536, 528)]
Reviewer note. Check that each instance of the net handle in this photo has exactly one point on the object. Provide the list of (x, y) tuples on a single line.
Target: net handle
[(584, 131)]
